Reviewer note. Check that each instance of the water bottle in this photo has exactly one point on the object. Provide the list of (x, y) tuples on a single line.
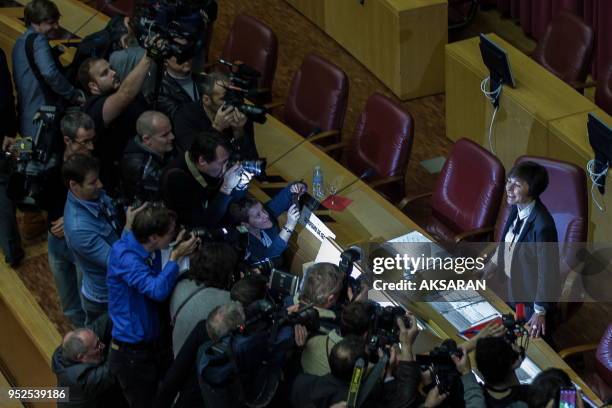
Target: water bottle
[(317, 182)]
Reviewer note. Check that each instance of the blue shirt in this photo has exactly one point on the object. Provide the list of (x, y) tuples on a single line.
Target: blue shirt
[(30, 96), (136, 283), (272, 245), (90, 234)]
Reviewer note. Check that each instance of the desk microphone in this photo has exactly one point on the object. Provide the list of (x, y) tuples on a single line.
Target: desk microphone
[(368, 173), (287, 152)]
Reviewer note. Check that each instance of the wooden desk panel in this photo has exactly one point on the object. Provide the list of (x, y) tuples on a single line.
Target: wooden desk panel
[(521, 125), (572, 145), (400, 41)]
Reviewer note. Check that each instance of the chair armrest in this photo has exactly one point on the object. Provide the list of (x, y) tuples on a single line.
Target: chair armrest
[(577, 349), (581, 86), (386, 180), (473, 233), (333, 147), (409, 200), (323, 135)]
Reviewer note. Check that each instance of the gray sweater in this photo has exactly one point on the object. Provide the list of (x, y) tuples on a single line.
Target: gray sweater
[(197, 308)]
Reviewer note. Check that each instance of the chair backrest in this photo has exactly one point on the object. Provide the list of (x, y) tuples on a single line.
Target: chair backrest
[(565, 49), (382, 141), (469, 188), (116, 8), (566, 200), (603, 93), (317, 97), (603, 356), (255, 44)]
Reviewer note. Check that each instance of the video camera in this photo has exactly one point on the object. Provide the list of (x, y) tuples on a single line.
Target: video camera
[(515, 332), (178, 24), (30, 157), (242, 83), (347, 259)]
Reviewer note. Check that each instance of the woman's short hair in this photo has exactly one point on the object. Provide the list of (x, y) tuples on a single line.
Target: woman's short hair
[(534, 174), (153, 221), (239, 210), (213, 265)]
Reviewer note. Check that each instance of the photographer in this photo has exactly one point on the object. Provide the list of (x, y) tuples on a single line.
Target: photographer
[(10, 241), (79, 134), (36, 70), (81, 364), (212, 112), (497, 360), (199, 186), (354, 320), (178, 87), (266, 239), (115, 106), (205, 286), (400, 388), (137, 282), (145, 157), (91, 226)]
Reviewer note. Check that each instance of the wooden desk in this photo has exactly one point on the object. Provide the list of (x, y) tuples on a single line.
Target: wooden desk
[(28, 339), (400, 41), (521, 125), (572, 145), (369, 217)]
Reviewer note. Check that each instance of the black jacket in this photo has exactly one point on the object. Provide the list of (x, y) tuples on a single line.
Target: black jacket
[(172, 96), (90, 385), (311, 391), (191, 120), (141, 171), (195, 204), (534, 275)]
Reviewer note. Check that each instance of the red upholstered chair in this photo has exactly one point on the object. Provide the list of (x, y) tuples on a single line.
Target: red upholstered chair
[(565, 49), (381, 145), (603, 91), (566, 200), (467, 195), (254, 43), (599, 379), (317, 98)]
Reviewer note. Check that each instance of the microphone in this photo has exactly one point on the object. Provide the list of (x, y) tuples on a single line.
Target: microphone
[(368, 173), (520, 313), (287, 152)]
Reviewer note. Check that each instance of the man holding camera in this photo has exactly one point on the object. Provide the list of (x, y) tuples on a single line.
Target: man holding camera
[(178, 87), (402, 375), (91, 226), (37, 72), (266, 240), (137, 282), (79, 134), (145, 157), (212, 112), (199, 186), (115, 106)]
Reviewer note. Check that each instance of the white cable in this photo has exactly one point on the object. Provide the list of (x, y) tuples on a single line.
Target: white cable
[(594, 176), (492, 96)]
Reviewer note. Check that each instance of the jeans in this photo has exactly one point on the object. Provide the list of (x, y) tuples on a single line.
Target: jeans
[(10, 241), (138, 373), (67, 279), (93, 310)]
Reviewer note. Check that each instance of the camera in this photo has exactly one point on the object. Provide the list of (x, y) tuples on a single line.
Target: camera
[(348, 257), (384, 330), (31, 157), (242, 83), (178, 24), (444, 371), (255, 167), (270, 314)]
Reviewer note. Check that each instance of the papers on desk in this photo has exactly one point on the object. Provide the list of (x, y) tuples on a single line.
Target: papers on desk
[(414, 236), (527, 371), (463, 309)]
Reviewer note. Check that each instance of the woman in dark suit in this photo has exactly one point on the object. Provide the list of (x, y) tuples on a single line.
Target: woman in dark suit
[(529, 254)]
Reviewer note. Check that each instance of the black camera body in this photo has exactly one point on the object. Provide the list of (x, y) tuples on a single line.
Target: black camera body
[(384, 330), (243, 80), (444, 371), (270, 314)]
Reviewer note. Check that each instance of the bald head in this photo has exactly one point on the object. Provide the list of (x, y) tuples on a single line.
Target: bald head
[(155, 131), (82, 346)]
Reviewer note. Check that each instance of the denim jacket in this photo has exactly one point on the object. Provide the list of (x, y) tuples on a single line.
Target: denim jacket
[(90, 235)]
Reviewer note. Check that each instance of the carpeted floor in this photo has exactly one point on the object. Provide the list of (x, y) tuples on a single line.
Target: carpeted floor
[(298, 37)]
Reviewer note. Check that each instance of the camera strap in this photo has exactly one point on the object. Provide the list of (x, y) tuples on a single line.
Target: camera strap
[(194, 171), (371, 380), (50, 96), (184, 302)]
